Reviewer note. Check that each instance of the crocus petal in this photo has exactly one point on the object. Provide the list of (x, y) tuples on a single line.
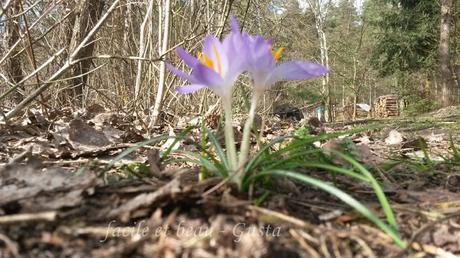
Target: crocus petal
[(234, 24), (180, 73), (234, 45), (260, 53), (188, 59), (186, 89), (296, 70), (270, 41), (222, 63), (215, 50), (205, 76)]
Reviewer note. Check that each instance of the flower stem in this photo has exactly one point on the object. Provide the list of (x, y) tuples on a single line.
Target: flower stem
[(229, 135), (202, 173), (245, 143)]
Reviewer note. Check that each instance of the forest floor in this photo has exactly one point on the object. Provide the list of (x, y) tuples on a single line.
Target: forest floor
[(62, 196)]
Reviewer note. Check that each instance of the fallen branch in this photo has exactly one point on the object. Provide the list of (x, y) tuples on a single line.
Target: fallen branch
[(27, 217)]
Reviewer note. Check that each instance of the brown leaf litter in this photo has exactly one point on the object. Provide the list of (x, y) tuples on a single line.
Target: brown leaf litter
[(57, 201)]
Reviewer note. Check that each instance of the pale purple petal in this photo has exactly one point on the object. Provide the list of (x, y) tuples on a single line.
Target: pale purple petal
[(217, 52), (189, 88), (234, 24), (209, 43), (205, 76), (260, 54), (296, 70), (270, 41), (188, 59), (228, 61), (180, 73), (236, 51)]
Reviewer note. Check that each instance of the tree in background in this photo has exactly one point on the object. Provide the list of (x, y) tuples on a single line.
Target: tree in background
[(346, 30), (320, 8), (447, 82), (414, 48), (13, 67), (87, 13), (387, 46)]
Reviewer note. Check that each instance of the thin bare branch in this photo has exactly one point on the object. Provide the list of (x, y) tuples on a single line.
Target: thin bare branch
[(66, 65)]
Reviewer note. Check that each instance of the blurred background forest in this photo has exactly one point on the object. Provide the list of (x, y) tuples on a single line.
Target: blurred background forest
[(74, 53)]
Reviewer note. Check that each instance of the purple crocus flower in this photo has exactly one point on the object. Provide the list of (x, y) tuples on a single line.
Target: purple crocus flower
[(261, 64), (217, 67)]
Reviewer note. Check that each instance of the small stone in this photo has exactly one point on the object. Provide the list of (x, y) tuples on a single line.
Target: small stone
[(394, 137)]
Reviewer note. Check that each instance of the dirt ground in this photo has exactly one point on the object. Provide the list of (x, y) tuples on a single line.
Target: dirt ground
[(63, 195)]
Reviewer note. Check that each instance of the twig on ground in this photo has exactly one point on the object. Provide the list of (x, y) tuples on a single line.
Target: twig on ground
[(311, 251), (281, 216), (214, 188), (10, 245), (26, 217)]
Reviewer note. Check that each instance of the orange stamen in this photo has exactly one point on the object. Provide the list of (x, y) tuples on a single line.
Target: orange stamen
[(205, 60), (276, 54)]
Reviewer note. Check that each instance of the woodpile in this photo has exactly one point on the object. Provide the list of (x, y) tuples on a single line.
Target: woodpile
[(386, 106)]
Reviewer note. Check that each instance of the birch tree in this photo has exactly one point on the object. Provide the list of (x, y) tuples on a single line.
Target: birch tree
[(164, 9), (319, 9), (142, 49)]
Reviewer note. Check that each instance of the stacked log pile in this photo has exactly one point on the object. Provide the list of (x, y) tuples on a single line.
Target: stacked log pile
[(386, 106)]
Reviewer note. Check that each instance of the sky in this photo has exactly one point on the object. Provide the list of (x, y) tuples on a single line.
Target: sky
[(357, 3)]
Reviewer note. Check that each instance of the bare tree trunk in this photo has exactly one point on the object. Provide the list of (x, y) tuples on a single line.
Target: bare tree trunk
[(355, 101), (355, 88), (89, 12), (142, 51), (13, 66), (320, 12), (325, 79), (165, 10), (127, 21), (444, 53), (371, 96)]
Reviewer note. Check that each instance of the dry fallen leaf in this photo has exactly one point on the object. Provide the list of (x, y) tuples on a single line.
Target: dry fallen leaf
[(21, 183), (83, 137)]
